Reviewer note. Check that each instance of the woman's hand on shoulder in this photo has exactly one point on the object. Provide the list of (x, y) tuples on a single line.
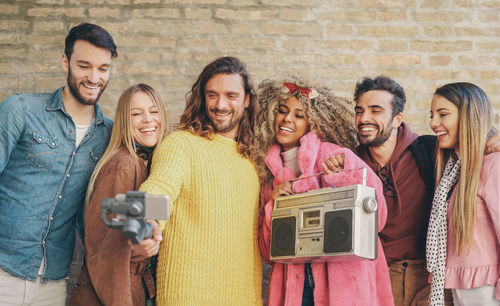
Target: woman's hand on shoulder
[(148, 247), (282, 189), (334, 163)]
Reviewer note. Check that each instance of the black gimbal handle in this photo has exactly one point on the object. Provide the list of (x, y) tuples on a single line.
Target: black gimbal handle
[(130, 226)]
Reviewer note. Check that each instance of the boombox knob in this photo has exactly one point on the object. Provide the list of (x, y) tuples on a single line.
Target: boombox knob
[(370, 205)]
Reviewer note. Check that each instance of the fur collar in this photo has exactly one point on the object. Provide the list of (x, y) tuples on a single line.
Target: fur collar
[(307, 158)]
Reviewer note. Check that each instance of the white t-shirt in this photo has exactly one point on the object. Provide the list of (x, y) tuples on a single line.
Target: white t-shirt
[(290, 160), (81, 131)]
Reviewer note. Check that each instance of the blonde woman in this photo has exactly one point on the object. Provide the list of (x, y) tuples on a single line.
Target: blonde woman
[(116, 272), (300, 130), (463, 239)]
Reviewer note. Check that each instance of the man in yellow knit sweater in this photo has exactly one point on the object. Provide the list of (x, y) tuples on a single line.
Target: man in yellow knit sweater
[(210, 254)]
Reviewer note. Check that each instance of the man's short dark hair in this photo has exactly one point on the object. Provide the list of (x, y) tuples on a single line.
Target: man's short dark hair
[(92, 33), (383, 82)]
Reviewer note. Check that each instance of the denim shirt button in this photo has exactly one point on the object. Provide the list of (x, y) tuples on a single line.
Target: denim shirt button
[(51, 218), (67, 174), (43, 242), (59, 196)]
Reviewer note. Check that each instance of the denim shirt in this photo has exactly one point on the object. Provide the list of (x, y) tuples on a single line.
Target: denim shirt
[(43, 181)]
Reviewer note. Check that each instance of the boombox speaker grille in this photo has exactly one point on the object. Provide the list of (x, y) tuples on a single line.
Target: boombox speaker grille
[(283, 237), (338, 231)]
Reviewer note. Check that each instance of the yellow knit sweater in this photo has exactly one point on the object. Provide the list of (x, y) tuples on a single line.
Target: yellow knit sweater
[(209, 254)]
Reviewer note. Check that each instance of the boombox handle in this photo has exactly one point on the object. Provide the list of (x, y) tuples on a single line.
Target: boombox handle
[(365, 173), (321, 173)]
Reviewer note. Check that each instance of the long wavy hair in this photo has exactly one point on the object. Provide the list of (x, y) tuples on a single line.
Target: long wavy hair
[(475, 121), (195, 118), (329, 116), (122, 134)]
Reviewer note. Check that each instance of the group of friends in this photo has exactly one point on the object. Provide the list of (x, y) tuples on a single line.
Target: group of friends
[(235, 149)]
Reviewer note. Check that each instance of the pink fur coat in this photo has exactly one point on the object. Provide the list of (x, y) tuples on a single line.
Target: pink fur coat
[(362, 282)]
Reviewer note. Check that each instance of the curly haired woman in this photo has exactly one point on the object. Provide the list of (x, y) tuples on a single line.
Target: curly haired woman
[(301, 130)]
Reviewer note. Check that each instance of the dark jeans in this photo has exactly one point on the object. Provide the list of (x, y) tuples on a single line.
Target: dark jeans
[(307, 295)]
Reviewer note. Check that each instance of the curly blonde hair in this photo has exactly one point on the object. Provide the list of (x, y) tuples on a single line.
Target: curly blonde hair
[(329, 116)]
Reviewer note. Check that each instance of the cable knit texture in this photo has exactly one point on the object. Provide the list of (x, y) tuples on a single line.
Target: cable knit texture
[(210, 254), (360, 282)]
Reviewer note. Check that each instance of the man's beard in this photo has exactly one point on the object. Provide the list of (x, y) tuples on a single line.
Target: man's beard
[(222, 127), (73, 88), (380, 138)]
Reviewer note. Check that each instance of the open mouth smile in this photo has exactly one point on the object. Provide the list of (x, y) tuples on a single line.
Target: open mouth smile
[(148, 130), (286, 130), (441, 134), (221, 115), (367, 128)]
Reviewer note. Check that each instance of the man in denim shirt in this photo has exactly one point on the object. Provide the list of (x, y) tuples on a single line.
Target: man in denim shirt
[(50, 144)]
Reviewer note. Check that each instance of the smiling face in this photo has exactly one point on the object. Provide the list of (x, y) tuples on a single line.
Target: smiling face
[(444, 122), (88, 71), (225, 103), (374, 120), (145, 120), (290, 123)]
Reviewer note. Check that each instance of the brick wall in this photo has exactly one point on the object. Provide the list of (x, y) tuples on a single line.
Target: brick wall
[(166, 43)]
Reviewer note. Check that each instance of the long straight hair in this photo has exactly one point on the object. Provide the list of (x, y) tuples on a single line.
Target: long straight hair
[(475, 121), (122, 135)]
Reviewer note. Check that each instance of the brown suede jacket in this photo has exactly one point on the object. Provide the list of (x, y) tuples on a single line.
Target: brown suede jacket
[(112, 276)]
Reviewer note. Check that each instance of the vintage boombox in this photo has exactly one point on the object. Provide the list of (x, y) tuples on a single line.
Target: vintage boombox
[(327, 224)]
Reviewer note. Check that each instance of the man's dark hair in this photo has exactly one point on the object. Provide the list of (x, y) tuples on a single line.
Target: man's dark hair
[(92, 33), (196, 120), (383, 82)]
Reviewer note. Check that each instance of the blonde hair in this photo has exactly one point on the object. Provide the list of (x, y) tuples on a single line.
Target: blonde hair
[(475, 121), (122, 133), (329, 116)]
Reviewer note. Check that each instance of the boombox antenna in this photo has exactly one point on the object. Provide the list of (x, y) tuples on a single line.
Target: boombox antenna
[(321, 173)]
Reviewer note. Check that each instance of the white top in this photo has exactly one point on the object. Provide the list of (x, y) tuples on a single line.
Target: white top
[(81, 131), (290, 160)]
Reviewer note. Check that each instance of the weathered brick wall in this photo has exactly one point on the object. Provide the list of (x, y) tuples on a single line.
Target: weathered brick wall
[(165, 43)]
